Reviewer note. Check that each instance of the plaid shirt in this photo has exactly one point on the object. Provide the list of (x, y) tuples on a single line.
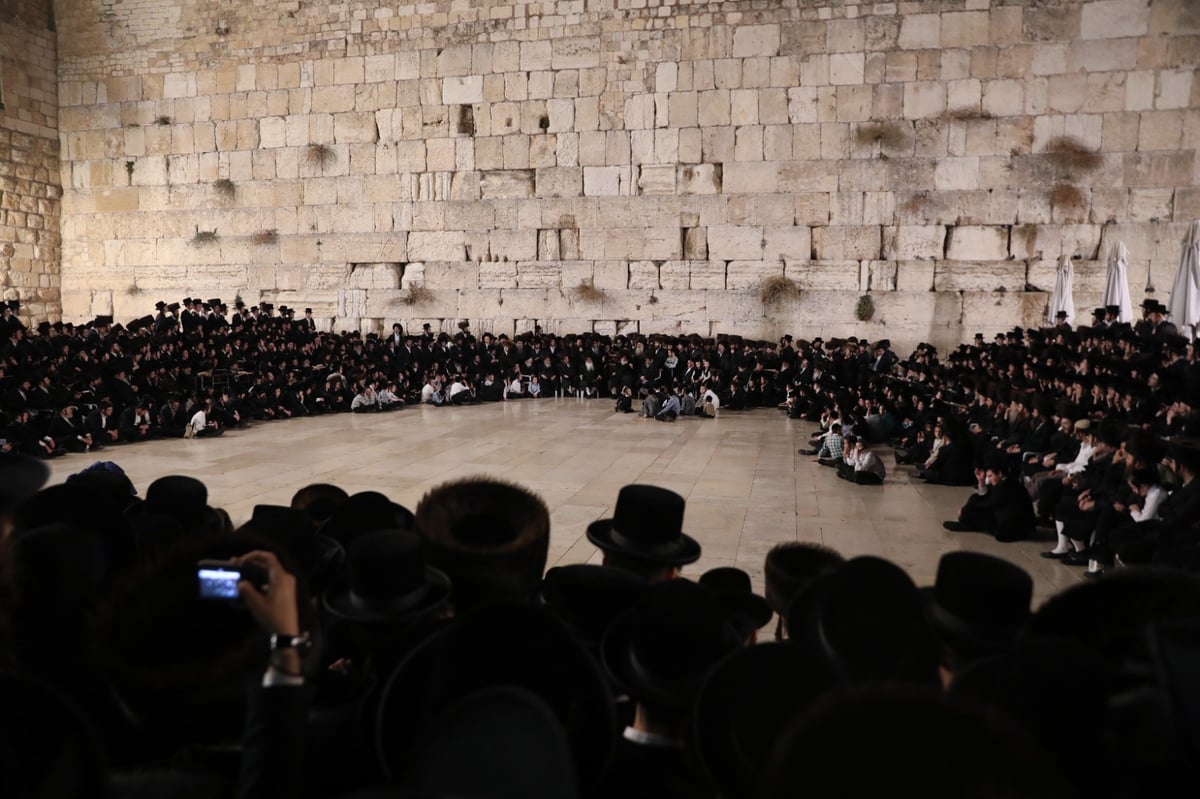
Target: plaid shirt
[(832, 446)]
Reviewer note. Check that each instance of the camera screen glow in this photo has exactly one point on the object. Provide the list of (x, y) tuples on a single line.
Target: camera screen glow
[(218, 583)]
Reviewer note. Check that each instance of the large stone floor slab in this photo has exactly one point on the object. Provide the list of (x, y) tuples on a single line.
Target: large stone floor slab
[(746, 486)]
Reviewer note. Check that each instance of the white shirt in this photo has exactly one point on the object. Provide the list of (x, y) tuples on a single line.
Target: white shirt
[(711, 396), (1081, 460), (457, 388), (199, 422), (428, 392), (1154, 498)]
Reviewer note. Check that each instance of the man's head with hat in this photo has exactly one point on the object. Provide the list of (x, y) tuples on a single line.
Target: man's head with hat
[(976, 607), (748, 612), (645, 534), (789, 567), (491, 537)]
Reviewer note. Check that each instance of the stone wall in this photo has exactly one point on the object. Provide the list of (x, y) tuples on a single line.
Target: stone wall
[(626, 165), (30, 190)]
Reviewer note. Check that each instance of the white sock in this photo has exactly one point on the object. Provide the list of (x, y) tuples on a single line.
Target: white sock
[(1079, 545), (1059, 527), (1064, 545)]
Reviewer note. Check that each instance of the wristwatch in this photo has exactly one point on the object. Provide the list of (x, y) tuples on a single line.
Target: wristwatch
[(300, 642)]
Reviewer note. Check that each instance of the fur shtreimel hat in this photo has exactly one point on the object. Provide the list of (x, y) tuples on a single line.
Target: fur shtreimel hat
[(490, 537)]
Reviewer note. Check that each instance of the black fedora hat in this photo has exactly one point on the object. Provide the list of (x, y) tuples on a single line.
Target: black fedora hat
[(587, 598), (746, 703), (747, 610), (661, 650), (484, 745), (867, 622), (497, 645), (387, 580), (647, 525), (20, 478), (366, 510), (978, 603), (792, 565)]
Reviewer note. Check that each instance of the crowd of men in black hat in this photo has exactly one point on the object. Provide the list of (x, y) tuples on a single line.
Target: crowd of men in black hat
[(370, 651)]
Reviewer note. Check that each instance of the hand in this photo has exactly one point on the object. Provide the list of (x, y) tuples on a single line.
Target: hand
[(1119, 507), (1135, 508), (275, 609)]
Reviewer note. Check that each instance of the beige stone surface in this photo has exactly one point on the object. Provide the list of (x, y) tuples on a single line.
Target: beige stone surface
[(902, 148)]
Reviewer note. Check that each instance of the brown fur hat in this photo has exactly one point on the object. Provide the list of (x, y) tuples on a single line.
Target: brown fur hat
[(489, 536)]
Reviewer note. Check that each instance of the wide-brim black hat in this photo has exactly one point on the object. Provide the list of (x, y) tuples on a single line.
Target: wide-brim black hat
[(661, 650), (978, 604), (747, 610), (747, 703), (387, 581), (647, 525), (489, 739), (498, 645), (20, 478), (587, 598)]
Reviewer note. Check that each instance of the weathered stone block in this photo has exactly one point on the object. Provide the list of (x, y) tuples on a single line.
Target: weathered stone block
[(787, 243), (750, 274), (914, 242), (732, 243), (434, 246), (535, 275), (1000, 276), (374, 276), (824, 275), (643, 275), (497, 276), (507, 184), (977, 243), (847, 242)]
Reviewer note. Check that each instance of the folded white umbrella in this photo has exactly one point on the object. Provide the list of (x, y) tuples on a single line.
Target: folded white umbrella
[(1184, 305), (1061, 299), (1116, 291)]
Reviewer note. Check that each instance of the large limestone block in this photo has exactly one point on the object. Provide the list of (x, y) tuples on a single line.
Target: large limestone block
[(674, 276), (756, 40), (847, 242), (914, 242), (1087, 277), (977, 243), (990, 313), (465, 90), (436, 246), (751, 274), (445, 275), (643, 275), (881, 275), (708, 275), (514, 245), (787, 243), (611, 275), (700, 179), (735, 242), (750, 178), (1114, 19), (914, 276), (559, 182), (352, 303), (657, 180), (374, 276), (824, 275), (537, 275), (497, 275), (507, 184), (1001, 276)]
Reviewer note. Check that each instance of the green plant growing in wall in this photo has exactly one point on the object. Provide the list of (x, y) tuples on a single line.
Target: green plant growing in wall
[(864, 309), (225, 188), (319, 156), (204, 237), (134, 289), (264, 237), (777, 288)]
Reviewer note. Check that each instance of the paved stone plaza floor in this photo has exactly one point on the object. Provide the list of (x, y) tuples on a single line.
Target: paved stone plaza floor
[(746, 486)]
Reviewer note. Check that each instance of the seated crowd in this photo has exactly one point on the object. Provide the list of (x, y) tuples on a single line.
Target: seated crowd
[(346, 646), (1061, 427)]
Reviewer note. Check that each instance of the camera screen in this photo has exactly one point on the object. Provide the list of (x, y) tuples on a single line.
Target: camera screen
[(218, 583)]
